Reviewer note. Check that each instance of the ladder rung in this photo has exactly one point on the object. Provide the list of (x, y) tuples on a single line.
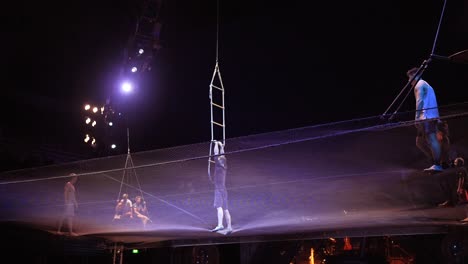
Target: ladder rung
[(217, 105), (212, 161), (219, 88), (216, 123)]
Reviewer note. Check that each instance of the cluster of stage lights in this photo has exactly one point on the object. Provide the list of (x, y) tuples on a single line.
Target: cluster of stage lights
[(97, 116), (92, 120), (136, 65)]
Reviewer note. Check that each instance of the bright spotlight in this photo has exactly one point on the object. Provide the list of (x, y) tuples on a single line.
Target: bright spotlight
[(127, 87), (140, 51), (111, 124), (95, 109), (113, 146), (87, 107), (93, 142), (88, 120), (86, 139), (134, 69), (94, 123)]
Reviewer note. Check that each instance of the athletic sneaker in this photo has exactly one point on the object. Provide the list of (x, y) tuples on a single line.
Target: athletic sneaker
[(217, 228), (434, 168)]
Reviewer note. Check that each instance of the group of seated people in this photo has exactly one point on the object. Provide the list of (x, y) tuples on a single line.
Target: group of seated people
[(126, 209)]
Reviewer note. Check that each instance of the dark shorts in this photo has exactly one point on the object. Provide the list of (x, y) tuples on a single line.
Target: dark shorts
[(220, 198)]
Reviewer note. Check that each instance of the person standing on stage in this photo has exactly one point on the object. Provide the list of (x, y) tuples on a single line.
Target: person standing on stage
[(220, 192), (427, 115), (70, 204)]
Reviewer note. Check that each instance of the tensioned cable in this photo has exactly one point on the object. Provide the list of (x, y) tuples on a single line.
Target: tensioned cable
[(349, 121), (425, 64), (291, 129), (325, 177), (406, 97), (382, 126), (148, 194), (129, 159), (285, 130), (363, 118), (413, 83), (438, 27), (217, 29), (340, 133)]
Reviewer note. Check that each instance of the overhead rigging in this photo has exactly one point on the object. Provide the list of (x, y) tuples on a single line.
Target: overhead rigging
[(458, 57), (142, 46), (217, 102)]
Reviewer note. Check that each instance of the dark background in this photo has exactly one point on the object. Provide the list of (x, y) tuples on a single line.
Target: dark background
[(284, 64)]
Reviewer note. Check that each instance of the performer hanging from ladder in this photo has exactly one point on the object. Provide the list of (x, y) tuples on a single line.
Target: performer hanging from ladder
[(217, 143), (220, 191)]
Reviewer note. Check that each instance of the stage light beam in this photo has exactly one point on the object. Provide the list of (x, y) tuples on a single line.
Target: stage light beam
[(127, 87)]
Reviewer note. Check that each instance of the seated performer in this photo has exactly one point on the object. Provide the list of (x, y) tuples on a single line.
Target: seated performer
[(140, 210), (124, 208)]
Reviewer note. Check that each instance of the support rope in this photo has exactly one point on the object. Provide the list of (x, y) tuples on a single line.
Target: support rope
[(420, 70), (217, 30)]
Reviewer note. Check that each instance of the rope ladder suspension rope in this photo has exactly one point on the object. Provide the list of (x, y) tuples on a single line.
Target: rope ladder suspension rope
[(217, 102)]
